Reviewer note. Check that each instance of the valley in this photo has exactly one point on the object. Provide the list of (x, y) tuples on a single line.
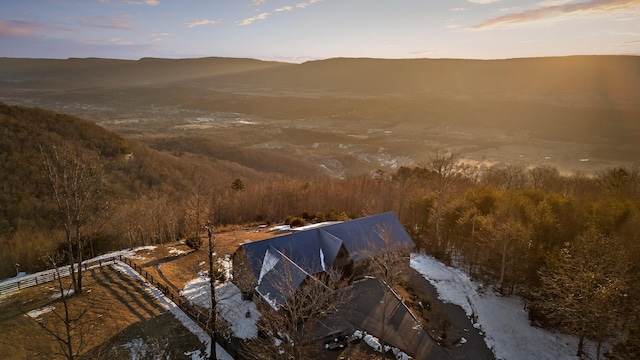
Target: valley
[(349, 116)]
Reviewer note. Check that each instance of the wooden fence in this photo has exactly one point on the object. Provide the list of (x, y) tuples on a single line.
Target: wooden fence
[(201, 317), (44, 277)]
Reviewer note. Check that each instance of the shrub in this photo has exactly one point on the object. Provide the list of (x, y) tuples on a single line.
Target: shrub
[(297, 221), (194, 242), (219, 275)]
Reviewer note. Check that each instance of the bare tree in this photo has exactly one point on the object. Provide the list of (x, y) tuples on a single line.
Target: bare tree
[(75, 177), (198, 209), (389, 263), (448, 170), (69, 326), (289, 326), (546, 178), (212, 310)]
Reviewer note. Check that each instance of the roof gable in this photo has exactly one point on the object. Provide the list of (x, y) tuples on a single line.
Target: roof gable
[(279, 277)]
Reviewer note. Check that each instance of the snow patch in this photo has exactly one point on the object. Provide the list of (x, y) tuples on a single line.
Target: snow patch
[(137, 348), (174, 251), (324, 266), (374, 342), (227, 266), (268, 263), (67, 293), (503, 320), (35, 313), (280, 228), (229, 304)]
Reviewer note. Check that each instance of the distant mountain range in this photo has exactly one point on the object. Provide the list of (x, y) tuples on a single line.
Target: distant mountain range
[(601, 79)]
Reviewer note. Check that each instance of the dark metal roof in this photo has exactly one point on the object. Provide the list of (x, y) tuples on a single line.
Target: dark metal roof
[(312, 251), (366, 236)]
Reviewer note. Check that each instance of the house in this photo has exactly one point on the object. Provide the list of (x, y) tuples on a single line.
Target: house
[(275, 268)]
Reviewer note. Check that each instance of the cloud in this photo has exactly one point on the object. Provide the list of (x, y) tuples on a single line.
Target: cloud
[(16, 28), (155, 37), (144, 2), (553, 2), (459, 9), (201, 22), (250, 20), (264, 15), (306, 4), (119, 41), (257, 2), (593, 6), (483, 1), (131, 2), (425, 52)]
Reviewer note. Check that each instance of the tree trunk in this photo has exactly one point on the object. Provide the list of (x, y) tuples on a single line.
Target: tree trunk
[(79, 246), (71, 258), (212, 321), (384, 320), (503, 266), (580, 347), (67, 325), (438, 219)]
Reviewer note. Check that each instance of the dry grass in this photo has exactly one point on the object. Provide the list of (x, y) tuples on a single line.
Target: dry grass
[(120, 311), (176, 269)]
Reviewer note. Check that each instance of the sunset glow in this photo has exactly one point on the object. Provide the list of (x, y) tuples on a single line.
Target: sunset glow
[(300, 30)]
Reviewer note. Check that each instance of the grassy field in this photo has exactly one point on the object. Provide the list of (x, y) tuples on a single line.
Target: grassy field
[(118, 311)]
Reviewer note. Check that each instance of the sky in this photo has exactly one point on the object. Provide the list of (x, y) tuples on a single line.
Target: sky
[(301, 30)]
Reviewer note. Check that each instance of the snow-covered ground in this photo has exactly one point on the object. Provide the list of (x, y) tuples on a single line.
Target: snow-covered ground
[(503, 320), (229, 304)]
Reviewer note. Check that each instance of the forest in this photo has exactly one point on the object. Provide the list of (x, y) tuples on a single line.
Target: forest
[(566, 243)]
